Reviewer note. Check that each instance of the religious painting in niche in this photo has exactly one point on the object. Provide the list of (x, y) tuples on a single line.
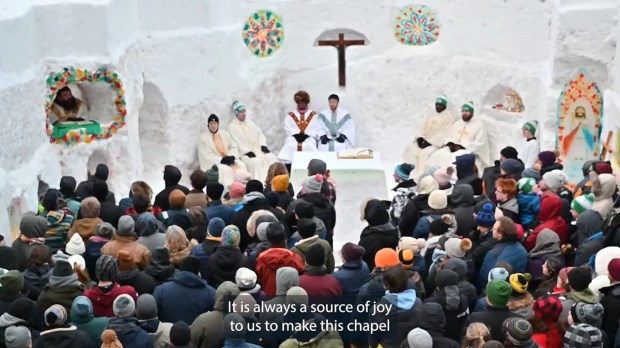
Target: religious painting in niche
[(263, 33), (580, 112), (69, 118), (504, 99), (417, 25)]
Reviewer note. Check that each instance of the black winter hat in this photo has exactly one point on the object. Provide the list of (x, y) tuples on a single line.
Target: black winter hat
[(315, 255), (100, 190), (172, 175), (190, 264), (306, 228), (215, 190), (180, 334), (438, 227), (254, 186), (22, 308), (62, 268), (67, 185), (102, 172), (304, 209), (446, 277), (509, 152), (276, 234), (579, 278)]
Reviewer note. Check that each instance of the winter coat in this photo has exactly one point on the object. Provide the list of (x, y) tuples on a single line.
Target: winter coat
[(303, 246), (240, 218), (85, 227), (570, 298), (375, 238), (223, 265), (102, 300), (177, 256), (472, 180), (158, 331), (217, 209), (403, 317), (462, 200), (284, 200), (172, 176), (554, 166), (130, 334), (489, 177), (547, 245), (93, 328), (195, 199), (455, 307), (510, 209), (550, 217), (268, 263), (603, 188), (433, 321), (141, 255), (588, 249), (404, 192), (351, 276), (521, 305), (411, 214), (319, 284), (324, 339), (184, 298), (62, 294), (587, 224), (611, 315), (323, 209), (140, 281), (202, 251), (38, 276), (161, 270), (529, 208), (466, 288), (58, 225), (493, 318), (85, 189), (482, 244), (6, 300), (92, 254), (601, 263), (110, 212), (207, 328), (178, 217), (64, 337), (153, 241), (505, 250)]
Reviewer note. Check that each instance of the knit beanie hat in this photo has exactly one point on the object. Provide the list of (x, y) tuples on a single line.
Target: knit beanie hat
[(438, 227), (254, 186), (313, 184), (469, 106), (418, 338), (62, 268), (146, 308), (385, 258), (105, 230), (237, 107), (22, 308), (498, 273), (125, 260), (509, 152), (519, 282), (579, 278), (261, 228), (190, 264), (279, 183), (443, 176), (457, 247), (403, 170), (233, 319), (486, 216), (215, 190), (563, 274), (246, 279), (438, 200), (498, 293), (531, 126), (109, 339), (512, 166), (77, 260), (443, 100), (11, 282), (126, 226), (236, 190), (526, 185), (315, 256), (124, 306), (517, 330), (547, 308), (306, 228), (176, 199), (583, 336), (180, 334), (75, 246), (555, 179), (316, 166), (446, 277), (589, 313), (231, 236), (304, 209), (215, 227), (56, 315), (106, 268), (17, 337), (213, 174), (546, 158), (413, 244), (406, 258), (352, 252), (276, 234), (603, 168), (582, 203), (613, 269)]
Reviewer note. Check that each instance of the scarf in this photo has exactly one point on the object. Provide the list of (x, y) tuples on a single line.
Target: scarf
[(58, 281)]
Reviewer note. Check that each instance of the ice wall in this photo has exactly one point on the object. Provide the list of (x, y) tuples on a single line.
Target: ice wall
[(182, 60)]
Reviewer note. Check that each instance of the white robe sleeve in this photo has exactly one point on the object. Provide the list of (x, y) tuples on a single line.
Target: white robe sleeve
[(239, 137), (348, 129), (290, 127), (478, 144), (262, 140), (231, 146), (207, 153)]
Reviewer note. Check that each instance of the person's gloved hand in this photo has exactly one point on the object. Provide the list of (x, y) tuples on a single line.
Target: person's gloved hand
[(264, 149), (341, 138), (299, 137), (324, 139), (455, 147), (250, 154), (228, 160), (422, 143)]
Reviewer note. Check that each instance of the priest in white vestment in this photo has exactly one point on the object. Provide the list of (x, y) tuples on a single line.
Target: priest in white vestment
[(300, 127), (218, 147), (336, 129), (251, 143), (432, 137), (467, 135)]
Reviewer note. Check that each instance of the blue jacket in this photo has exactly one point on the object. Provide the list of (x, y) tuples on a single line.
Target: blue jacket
[(529, 207), (202, 251), (351, 276), (130, 334), (512, 252), (184, 298), (217, 209)]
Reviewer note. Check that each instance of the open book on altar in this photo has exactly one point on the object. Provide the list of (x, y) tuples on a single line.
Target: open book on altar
[(357, 153)]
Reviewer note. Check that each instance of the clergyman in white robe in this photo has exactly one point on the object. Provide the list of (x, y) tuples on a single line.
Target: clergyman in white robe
[(215, 145), (336, 129), (251, 143), (296, 122)]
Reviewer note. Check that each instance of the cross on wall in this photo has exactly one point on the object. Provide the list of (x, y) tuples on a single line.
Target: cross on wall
[(341, 44)]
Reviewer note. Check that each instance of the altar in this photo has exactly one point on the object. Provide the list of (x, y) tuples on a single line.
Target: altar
[(356, 179)]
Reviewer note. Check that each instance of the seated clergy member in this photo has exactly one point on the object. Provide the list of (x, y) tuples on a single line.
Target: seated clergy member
[(217, 147), (336, 129), (66, 107), (300, 127), (251, 143)]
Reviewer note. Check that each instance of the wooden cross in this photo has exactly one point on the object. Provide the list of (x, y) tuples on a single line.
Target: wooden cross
[(341, 44)]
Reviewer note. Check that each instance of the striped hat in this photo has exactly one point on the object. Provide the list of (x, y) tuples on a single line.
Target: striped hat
[(237, 107), (403, 170), (525, 185), (443, 100), (56, 315), (519, 282), (531, 126), (582, 203), (469, 106)]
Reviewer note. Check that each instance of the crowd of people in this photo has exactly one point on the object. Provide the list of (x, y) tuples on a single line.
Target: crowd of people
[(509, 258)]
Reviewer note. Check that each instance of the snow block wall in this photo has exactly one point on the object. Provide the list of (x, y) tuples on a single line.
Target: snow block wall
[(183, 60)]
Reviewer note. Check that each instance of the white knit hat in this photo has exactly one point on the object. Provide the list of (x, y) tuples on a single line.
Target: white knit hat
[(555, 179), (457, 247), (438, 200), (75, 246), (77, 260), (246, 280)]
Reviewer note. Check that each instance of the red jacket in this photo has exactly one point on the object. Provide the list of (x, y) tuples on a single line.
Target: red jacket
[(550, 217), (322, 287), (551, 339), (268, 263), (102, 301)]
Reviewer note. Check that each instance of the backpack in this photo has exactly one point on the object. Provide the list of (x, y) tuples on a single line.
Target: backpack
[(421, 229)]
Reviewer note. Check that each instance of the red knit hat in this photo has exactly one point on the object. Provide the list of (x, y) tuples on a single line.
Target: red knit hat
[(547, 308), (613, 269)]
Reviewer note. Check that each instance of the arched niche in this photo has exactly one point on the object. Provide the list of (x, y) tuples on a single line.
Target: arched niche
[(103, 93), (504, 100), (97, 157), (152, 127)]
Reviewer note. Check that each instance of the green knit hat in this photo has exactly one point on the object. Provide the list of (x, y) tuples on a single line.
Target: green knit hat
[(525, 185), (237, 107), (443, 100), (531, 126), (582, 203), (213, 174), (469, 106), (498, 293)]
